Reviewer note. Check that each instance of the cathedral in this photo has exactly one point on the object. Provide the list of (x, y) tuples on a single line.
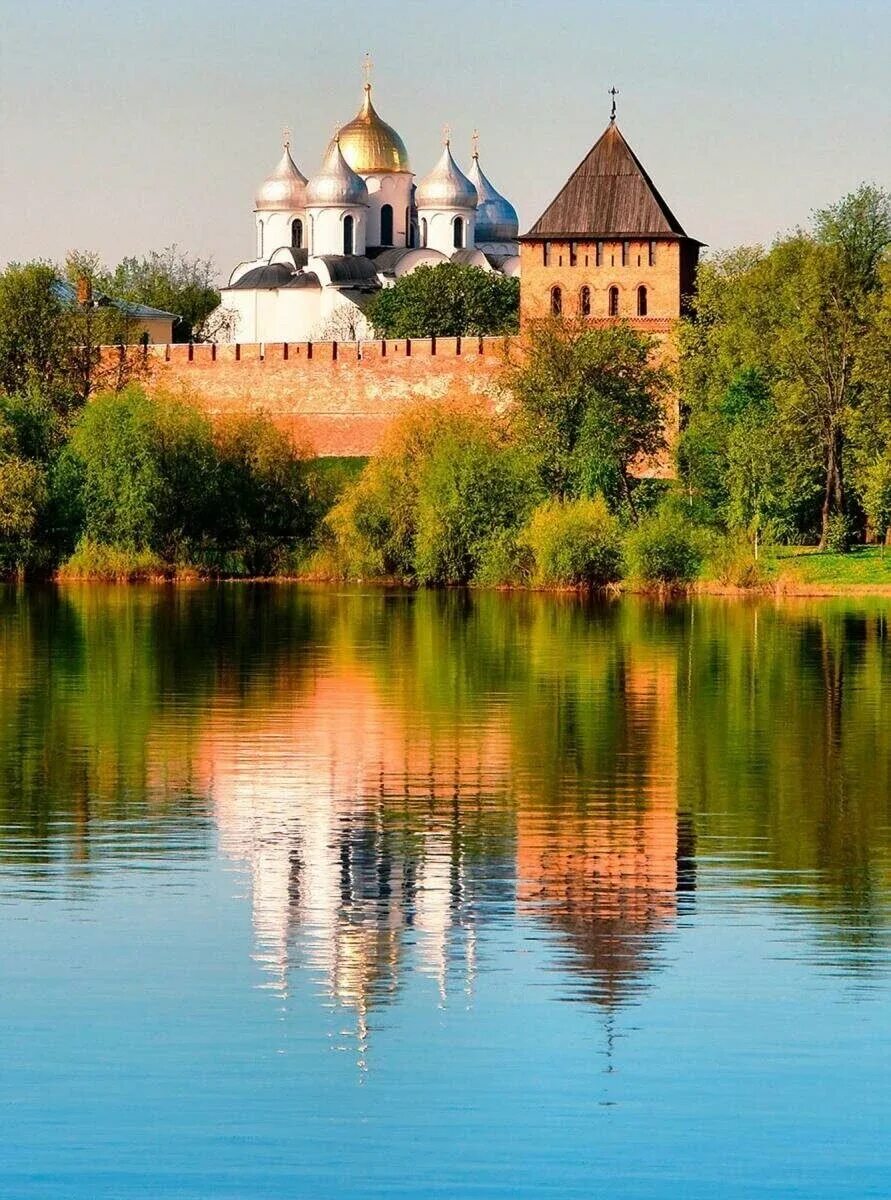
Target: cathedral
[(326, 244)]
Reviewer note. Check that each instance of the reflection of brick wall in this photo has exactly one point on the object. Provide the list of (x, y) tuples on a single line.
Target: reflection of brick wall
[(337, 398)]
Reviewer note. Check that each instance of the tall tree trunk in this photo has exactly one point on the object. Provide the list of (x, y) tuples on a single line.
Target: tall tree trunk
[(834, 492)]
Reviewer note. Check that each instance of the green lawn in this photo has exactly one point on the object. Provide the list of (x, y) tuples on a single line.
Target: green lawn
[(861, 565)]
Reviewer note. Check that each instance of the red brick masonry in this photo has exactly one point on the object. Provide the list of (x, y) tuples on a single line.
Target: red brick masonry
[(337, 398)]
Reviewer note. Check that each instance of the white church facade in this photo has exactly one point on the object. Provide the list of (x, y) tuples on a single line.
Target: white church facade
[(325, 245)]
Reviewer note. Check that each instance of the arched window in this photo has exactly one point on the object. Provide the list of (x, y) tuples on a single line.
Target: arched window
[(297, 235), (349, 226), (458, 233), (409, 230), (556, 301), (641, 301), (423, 231), (585, 302), (387, 225), (614, 302)]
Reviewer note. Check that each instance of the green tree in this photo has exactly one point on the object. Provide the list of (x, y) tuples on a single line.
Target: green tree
[(34, 334), (798, 315), (171, 280), (447, 300), (262, 503), (147, 473), (590, 405)]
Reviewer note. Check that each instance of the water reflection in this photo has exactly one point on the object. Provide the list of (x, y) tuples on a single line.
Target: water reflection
[(403, 778)]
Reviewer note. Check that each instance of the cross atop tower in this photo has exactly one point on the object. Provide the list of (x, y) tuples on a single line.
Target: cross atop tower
[(475, 142), (367, 68), (614, 91), (446, 135), (286, 137)]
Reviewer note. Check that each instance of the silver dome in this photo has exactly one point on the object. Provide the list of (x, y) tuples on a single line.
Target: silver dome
[(446, 186), (285, 189), (496, 217), (337, 183)]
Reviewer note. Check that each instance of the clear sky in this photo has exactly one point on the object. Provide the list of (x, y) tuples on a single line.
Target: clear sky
[(127, 126)]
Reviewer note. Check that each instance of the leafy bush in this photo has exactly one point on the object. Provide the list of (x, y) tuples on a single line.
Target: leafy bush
[(733, 562), (838, 534), (574, 542), (427, 505), (664, 549), (470, 488), (503, 560), (114, 564)]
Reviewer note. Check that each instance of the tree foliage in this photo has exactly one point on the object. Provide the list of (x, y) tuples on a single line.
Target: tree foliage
[(168, 279), (446, 300), (590, 403)]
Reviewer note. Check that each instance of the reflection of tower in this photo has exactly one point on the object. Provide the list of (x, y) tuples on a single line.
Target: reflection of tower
[(605, 868)]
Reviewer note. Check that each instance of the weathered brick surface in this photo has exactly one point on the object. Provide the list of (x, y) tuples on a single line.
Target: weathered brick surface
[(335, 398), (668, 278)]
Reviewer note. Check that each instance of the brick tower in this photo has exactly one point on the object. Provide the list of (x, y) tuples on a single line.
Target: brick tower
[(608, 246)]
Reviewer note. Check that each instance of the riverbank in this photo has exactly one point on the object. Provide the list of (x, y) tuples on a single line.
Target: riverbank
[(789, 571)]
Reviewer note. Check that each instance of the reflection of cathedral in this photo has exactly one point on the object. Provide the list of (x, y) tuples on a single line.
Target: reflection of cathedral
[(327, 243), (379, 846)]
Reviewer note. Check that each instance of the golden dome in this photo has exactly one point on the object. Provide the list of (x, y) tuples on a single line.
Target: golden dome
[(370, 144)]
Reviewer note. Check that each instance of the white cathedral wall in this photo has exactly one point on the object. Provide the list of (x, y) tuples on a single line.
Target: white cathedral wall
[(273, 314), (392, 189), (440, 229), (274, 230), (326, 229)]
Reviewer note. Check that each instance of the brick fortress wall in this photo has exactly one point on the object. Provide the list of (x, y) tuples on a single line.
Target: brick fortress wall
[(335, 397)]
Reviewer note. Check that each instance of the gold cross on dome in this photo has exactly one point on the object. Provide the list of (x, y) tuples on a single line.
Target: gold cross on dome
[(367, 68)]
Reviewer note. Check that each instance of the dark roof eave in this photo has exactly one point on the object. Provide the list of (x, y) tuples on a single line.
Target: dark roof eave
[(609, 237)]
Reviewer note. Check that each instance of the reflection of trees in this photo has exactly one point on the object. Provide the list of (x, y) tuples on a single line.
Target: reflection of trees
[(785, 754), (399, 769)]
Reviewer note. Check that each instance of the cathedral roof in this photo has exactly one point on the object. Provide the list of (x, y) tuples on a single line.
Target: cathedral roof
[(284, 190), (369, 144), (496, 217), (446, 186), (337, 183), (610, 195)]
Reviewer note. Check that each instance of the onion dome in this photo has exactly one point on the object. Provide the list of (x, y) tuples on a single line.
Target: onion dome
[(337, 183), (446, 186), (496, 217), (284, 190), (369, 144)]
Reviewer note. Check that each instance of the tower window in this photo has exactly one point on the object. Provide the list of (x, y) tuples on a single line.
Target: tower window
[(458, 233), (599, 254), (624, 254), (349, 234), (641, 301), (423, 231), (556, 301), (297, 235), (573, 254), (585, 302), (613, 302), (652, 254), (546, 254), (387, 225), (409, 230)]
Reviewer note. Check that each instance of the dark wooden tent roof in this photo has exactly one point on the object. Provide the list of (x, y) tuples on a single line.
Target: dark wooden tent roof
[(608, 195)]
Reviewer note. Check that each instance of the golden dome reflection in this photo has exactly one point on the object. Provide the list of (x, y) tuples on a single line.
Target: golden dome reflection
[(370, 144)]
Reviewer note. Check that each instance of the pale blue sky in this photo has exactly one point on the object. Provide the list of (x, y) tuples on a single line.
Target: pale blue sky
[(127, 126)]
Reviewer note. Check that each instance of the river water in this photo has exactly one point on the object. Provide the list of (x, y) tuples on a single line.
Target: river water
[(342, 893)]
